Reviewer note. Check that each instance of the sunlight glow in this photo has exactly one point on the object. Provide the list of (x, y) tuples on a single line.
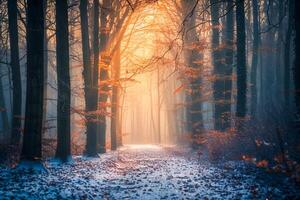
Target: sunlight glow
[(149, 114)]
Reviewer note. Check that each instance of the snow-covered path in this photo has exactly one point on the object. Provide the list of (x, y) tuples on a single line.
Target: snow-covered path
[(145, 172)]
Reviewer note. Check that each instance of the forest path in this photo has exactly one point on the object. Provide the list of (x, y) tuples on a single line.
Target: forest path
[(145, 172)]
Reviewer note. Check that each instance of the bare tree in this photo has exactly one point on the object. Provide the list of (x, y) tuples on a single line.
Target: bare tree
[(32, 143)]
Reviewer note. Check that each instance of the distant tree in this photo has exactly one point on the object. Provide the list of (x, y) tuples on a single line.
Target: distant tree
[(114, 22), (279, 51), (115, 138), (241, 60), (63, 150), (4, 115), (16, 76), (32, 143)]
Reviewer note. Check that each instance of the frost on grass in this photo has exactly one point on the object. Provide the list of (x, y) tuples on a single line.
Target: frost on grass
[(145, 172)]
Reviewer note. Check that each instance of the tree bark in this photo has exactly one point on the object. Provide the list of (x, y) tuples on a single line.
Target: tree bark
[(16, 76), (228, 68), (241, 60), (45, 71), (105, 60), (4, 116), (32, 143), (287, 50), (192, 55), (297, 59), (91, 145), (115, 110), (219, 70), (279, 77), (92, 84), (63, 150), (255, 53)]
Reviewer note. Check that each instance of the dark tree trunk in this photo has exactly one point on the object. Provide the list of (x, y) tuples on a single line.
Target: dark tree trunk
[(105, 59), (91, 87), (194, 101), (287, 50), (32, 143), (214, 9), (45, 71), (297, 58), (229, 53), (63, 150), (254, 64), (16, 76), (279, 77), (221, 120), (4, 117), (87, 76), (241, 60), (115, 109)]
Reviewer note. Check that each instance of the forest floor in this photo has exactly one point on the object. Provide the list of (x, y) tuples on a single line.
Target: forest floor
[(146, 172)]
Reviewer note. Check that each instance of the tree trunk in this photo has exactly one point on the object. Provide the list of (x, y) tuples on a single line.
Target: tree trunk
[(219, 72), (297, 59), (287, 50), (63, 150), (32, 143), (16, 76), (279, 88), (192, 55), (255, 50), (91, 86), (241, 60), (91, 145), (115, 109), (45, 72), (103, 90), (158, 106), (228, 68), (4, 117)]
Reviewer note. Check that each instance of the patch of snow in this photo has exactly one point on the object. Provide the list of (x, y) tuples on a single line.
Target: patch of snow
[(146, 172), (34, 166)]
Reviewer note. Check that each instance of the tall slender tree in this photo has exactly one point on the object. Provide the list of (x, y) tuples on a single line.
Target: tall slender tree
[(229, 56), (4, 116), (287, 52), (104, 62), (192, 58), (254, 63), (241, 60), (63, 150), (297, 58), (115, 109), (16, 76), (4, 113), (279, 77), (92, 102), (87, 75), (32, 143), (218, 67)]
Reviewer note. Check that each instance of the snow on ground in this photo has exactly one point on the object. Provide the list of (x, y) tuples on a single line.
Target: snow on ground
[(146, 172)]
